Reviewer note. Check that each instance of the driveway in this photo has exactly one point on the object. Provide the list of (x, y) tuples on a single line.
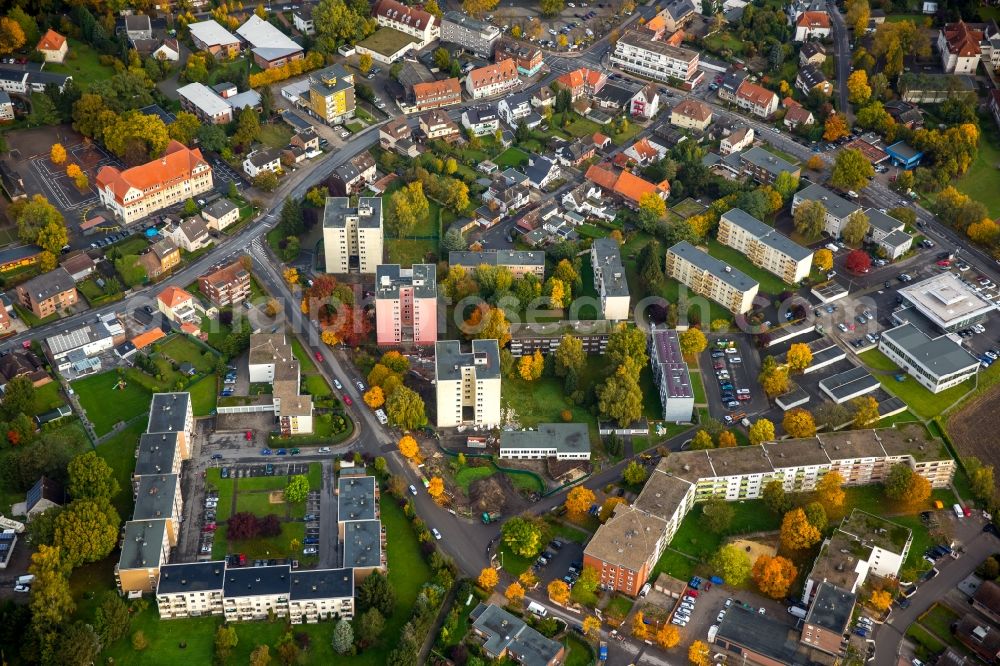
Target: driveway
[(978, 546)]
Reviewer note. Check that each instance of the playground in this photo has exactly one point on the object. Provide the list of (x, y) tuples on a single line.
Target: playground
[(30, 151), (108, 398)]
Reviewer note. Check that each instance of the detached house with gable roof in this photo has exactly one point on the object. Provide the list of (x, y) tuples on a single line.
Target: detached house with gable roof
[(582, 82), (53, 46), (812, 25), (961, 46)]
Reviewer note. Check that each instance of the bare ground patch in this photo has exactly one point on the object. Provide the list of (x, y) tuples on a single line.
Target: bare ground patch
[(970, 428)]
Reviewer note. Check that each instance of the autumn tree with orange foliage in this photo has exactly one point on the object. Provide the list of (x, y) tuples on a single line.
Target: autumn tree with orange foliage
[(488, 579), (514, 593), (409, 447), (374, 397), (435, 488), (797, 533), (579, 500), (558, 592), (773, 575)]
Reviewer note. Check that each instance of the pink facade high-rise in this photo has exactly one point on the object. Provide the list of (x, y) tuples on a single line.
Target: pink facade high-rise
[(406, 304)]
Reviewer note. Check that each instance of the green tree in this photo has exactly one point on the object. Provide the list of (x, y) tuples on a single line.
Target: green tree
[(620, 397), (855, 229), (797, 533), (86, 531), (522, 535), (43, 111), (904, 485), (569, 356), (816, 515), (297, 489), (369, 627), (225, 640), (442, 59), (786, 184), (76, 645), (851, 170), (376, 592), (247, 128), (810, 218), (18, 398), (112, 619), (265, 180), (343, 637), (212, 137), (981, 479), (453, 241), (634, 473), (28, 24), (650, 265), (732, 564), (53, 237), (651, 208), (338, 23), (34, 215), (90, 477), (261, 655), (408, 207), (51, 600), (184, 128), (627, 346), (42, 526), (131, 271), (774, 496), (136, 137), (405, 409), (196, 69), (717, 514), (551, 7), (365, 63), (865, 410)]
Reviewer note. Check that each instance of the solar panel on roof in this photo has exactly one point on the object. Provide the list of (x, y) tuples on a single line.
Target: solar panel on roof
[(34, 495)]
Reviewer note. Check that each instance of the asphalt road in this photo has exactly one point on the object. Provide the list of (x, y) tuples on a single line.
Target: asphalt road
[(842, 53), (978, 546)]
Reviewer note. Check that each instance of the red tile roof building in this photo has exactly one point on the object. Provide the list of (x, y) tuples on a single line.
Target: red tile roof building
[(53, 46), (582, 81), (180, 174), (493, 79), (625, 184), (436, 94), (960, 45), (226, 285)]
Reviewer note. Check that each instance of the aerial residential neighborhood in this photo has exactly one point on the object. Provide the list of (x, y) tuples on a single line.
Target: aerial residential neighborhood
[(461, 332)]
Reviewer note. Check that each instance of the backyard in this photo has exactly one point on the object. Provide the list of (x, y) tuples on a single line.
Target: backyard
[(119, 452), (82, 63), (107, 402)]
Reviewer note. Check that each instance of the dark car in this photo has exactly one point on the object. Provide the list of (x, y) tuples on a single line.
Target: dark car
[(991, 529), (310, 541)]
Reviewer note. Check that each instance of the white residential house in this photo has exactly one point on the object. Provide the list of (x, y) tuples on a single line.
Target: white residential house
[(541, 171), (302, 19), (413, 21), (737, 141), (169, 50), (481, 120), (516, 108), (190, 235), (260, 161), (646, 103)]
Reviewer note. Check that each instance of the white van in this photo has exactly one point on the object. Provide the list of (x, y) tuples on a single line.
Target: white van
[(797, 611), (958, 511), (537, 609)]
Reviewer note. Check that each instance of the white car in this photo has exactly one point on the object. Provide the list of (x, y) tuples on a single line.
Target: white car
[(437, 535), (679, 622), (413, 490), (345, 134), (732, 350), (720, 616), (336, 382), (22, 588), (310, 550), (380, 415)]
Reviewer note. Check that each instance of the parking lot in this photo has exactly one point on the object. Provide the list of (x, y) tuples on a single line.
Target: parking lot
[(568, 554), (737, 358)]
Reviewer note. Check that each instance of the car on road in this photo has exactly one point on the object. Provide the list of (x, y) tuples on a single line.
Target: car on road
[(319, 357), (323, 449), (265, 452), (249, 435), (337, 384), (437, 535), (413, 490), (281, 452), (347, 400), (295, 451), (360, 384), (310, 550), (310, 541), (216, 456), (732, 404)]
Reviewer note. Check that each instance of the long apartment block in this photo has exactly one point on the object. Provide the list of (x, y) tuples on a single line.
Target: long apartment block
[(710, 277), (764, 246), (626, 548)]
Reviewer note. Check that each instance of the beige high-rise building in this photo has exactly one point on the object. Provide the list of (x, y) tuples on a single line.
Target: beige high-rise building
[(352, 237), (764, 246), (709, 277), (467, 383)]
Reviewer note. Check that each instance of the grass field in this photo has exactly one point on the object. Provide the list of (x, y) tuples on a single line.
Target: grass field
[(82, 63), (924, 639), (696, 386), (182, 349), (922, 402), (275, 135), (579, 653), (305, 360), (47, 397), (407, 252), (876, 360), (769, 282), (525, 482), (317, 386), (119, 453), (674, 564), (105, 405), (980, 181), (250, 483), (204, 395), (259, 504), (467, 475), (939, 620), (541, 401), (512, 157)]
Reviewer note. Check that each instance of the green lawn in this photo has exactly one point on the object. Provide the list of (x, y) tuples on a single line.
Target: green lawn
[(467, 475), (922, 402), (181, 348), (30, 319), (305, 360), (250, 483), (542, 401), (407, 573), (769, 282), (749, 516), (513, 564), (259, 504), (216, 331), (939, 620), (527, 482), (276, 134), (924, 639), (724, 40), (317, 386), (674, 564), (83, 64), (980, 181), (47, 397), (619, 606), (105, 405), (578, 125), (512, 157), (876, 360), (579, 653), (204, 395), (407, 252), (119, 453), (696, 386), (569, 532), (315, 476)]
